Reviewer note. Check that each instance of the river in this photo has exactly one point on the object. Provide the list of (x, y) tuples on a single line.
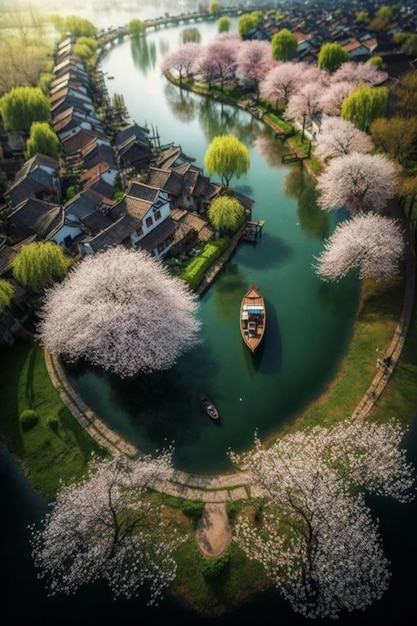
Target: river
[(309, 323)]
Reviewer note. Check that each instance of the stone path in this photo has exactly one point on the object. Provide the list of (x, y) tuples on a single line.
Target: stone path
[(213, 530)]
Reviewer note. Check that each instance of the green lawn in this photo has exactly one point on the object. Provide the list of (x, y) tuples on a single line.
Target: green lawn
[(48, 454)]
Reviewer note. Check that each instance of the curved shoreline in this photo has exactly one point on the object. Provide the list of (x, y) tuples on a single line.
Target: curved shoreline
[(234, 486), (225, 487)]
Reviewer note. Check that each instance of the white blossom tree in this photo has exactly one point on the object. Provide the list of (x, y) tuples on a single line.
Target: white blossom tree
[(119, 309), (370, 243), (317, 540), (107, 528), (338, 137), (358, 182)]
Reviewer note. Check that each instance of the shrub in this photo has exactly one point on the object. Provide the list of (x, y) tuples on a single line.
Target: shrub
[(193, 274), (53, 423), (192, 509), (212, 567), (28, 419)]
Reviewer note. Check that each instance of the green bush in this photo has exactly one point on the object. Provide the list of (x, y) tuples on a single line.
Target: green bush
[(193, 274), (28, 419), (53, 423), (192, 509), (212, 567)]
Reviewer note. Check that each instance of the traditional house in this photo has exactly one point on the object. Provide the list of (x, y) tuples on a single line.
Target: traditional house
[(34, 217), (133, 147), (38, 178)]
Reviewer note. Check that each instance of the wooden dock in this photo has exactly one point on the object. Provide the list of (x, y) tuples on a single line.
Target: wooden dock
[(293, 157), (253, 231), (248, 229)]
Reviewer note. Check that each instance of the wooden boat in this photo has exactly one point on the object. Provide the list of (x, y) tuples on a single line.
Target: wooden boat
[(208, 406), (252, 318)]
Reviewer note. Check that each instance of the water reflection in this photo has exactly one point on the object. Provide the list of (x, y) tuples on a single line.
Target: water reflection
[(181, 103), (298, 184), (270, 149), (190, 34), (144, 53)]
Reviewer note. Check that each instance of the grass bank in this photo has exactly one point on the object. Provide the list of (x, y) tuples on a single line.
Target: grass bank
[(55, 449)]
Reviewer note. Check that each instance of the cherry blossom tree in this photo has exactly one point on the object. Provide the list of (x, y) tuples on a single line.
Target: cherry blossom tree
[(254, 60), (338, 137), (107, 528), (281, 82), (317, 539), (120, 310), (357, 182), (333, 96), (183, 60), (359, 73), (304, 104), (218, 60), (370, 243)]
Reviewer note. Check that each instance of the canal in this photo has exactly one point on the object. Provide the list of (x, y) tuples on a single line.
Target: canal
[(309, 323)]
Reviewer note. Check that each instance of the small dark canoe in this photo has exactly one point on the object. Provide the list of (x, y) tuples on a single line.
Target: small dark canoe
[(208, 406)]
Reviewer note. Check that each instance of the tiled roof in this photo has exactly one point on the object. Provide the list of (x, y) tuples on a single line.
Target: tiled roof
[(35, 216), (165, 179), (191, 221), (158, 234), (115, 234)]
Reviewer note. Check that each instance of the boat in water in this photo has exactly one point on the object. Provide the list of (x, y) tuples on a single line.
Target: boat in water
[(252, 318), (208, 406)]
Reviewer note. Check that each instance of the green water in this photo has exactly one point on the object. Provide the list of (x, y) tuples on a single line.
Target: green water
[(309, 323)]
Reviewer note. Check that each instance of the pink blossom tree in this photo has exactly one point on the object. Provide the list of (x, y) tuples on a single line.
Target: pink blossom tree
[(357, 182), (359, 73), (281, 82), (304, 104), (370, 243), (107, 528), (254, 60), (333, 96), (317, 539), (218, 60), (183, 60), (338, 137), (120, 310)]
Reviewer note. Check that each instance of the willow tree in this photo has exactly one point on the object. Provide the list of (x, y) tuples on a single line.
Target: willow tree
[(364, 105), (38, 265), (22, 106), (42, 140), (6, 295), (223, 25), (331, 56), (283, 45), (136, 27), (227, 157), (226, 213)]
